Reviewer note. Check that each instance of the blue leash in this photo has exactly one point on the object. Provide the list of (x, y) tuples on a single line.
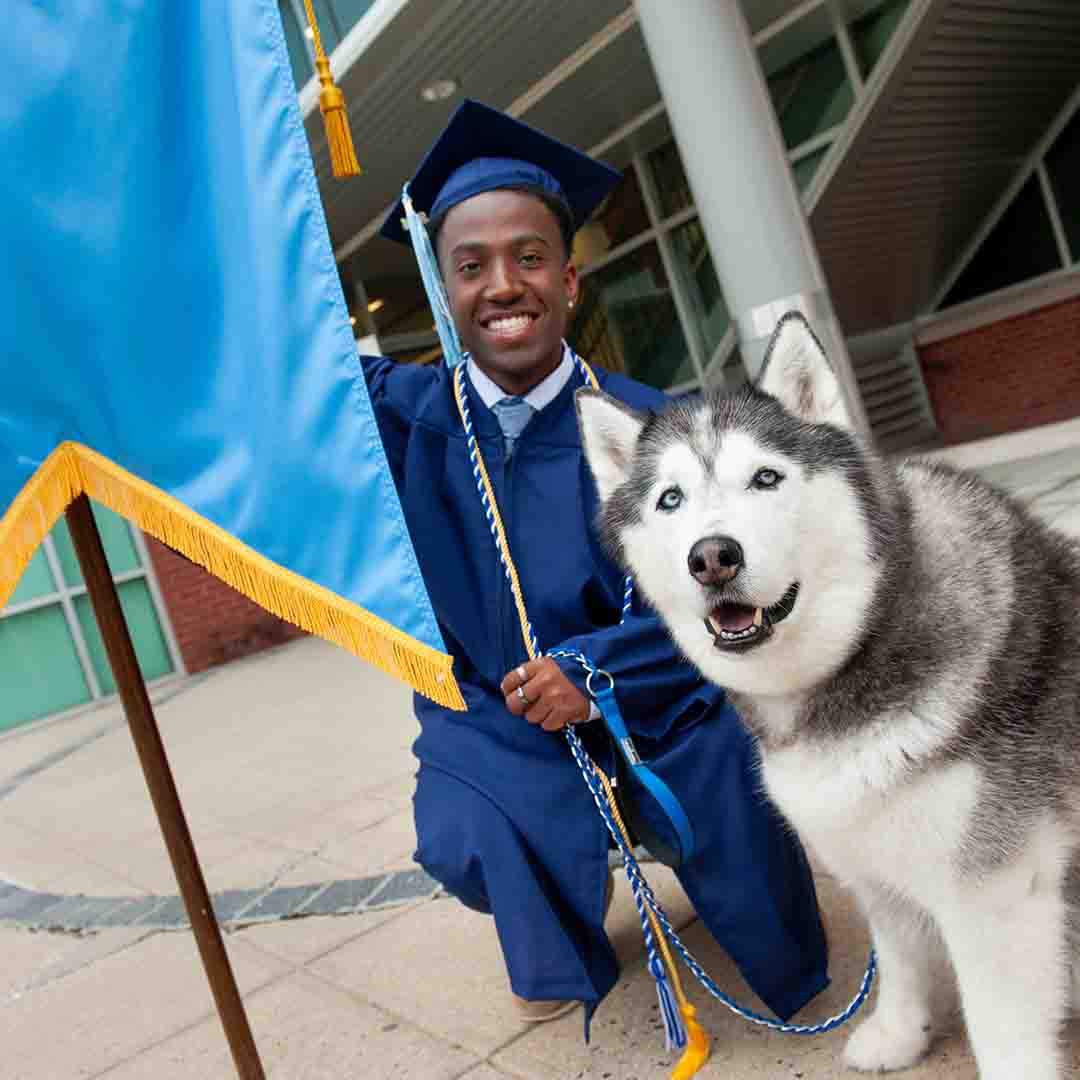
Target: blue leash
[(642, 887)]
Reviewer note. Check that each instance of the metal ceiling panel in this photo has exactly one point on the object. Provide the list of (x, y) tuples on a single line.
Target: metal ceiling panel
[(494, 49), (498, 51), (609, 92), (967, 88)]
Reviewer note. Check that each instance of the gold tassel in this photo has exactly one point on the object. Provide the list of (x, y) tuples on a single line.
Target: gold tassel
[(73, 469), (332, 106), (697, 1045)]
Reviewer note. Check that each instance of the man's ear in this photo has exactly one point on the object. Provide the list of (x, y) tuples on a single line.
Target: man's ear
[(798, 374), (609, 433)]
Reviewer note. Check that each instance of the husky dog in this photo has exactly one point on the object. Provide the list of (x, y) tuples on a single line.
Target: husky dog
[(904, 643)]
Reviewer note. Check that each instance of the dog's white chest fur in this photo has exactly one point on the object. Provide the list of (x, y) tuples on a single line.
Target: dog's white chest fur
[(869, 812)]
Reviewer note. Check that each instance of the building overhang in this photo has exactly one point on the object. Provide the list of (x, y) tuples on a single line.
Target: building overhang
[(579, 72), (955, 109)]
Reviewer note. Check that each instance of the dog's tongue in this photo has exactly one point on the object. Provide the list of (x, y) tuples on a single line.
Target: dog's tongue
[(733, 617)]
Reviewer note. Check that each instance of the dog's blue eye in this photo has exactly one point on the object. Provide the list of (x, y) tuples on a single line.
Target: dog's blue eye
[(766, 478), (669, 499)]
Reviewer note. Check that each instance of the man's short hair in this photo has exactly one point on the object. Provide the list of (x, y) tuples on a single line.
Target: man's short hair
[(559, 207)]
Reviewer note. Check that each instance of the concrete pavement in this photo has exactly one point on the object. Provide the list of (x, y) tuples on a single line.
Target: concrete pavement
[(295, 771)]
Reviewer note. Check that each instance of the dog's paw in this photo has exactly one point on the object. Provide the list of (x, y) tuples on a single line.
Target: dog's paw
[(881, 1044)]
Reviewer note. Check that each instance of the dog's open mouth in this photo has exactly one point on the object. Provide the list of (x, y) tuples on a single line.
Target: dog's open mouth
[(739, 627)]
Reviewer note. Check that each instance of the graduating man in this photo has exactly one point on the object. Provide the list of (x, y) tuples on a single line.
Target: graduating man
[(504, 819)]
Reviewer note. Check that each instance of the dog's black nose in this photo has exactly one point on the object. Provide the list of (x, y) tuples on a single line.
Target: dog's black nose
[(715, 560)]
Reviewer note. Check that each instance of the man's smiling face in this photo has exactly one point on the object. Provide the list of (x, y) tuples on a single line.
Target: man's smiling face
[(510, 282)]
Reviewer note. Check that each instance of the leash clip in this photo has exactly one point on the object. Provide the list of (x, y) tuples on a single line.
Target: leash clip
[(606, 674)]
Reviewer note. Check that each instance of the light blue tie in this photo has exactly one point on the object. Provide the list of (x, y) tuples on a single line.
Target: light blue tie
[(513, 414)]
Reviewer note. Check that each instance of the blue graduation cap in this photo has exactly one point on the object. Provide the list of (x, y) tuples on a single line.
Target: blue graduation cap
[(482, 149)]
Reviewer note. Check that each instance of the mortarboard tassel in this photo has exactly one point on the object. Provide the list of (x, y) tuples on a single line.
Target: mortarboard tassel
[(332, 106)]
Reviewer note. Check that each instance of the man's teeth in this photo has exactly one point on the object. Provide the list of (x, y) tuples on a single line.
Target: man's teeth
[(509, 324), (759, 615)]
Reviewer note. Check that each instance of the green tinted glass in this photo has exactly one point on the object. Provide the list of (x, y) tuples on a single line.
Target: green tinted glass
[(625, 320), (622, 215), (701, 283), (39, 668), (150, 648), (819, 98), (36, 581), (115, 535), (805, 168), (872, 34), (669, 179)]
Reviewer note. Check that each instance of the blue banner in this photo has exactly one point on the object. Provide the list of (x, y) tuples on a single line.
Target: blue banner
[(173, 337)]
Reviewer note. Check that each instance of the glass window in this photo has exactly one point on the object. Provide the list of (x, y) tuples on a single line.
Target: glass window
[(622, 215), (701, 283), (805, 168), (1063, 165), (295, 44), (37, 580), (1019, 247), (115, 535), (330, 29), (139, 613), (669, 179), (812, 95), (335, 17), (349, 12), (39, 667), (625, 320), (872, 33)]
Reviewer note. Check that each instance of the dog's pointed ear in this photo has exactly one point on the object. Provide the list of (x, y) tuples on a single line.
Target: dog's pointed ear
[(798, 374), (609, 433)]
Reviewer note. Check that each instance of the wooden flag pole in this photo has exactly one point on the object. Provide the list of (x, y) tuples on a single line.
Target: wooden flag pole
[(170, 814)]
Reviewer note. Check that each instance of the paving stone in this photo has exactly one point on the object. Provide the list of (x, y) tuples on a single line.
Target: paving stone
[(145, 917), (281, 903), (404, 886), (171, 914), (74, 912), (343, 897), (232, 902), (126, 911), (24, 905)]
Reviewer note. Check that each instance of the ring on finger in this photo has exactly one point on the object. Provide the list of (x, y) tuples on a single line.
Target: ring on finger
[(521, 694)]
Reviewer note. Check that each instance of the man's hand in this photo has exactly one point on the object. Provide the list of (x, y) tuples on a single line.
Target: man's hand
[(541, 693)]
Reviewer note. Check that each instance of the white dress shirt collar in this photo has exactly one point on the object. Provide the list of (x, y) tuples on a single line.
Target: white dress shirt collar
[(543, 393)]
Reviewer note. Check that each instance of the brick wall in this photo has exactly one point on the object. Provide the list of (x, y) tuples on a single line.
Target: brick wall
[(1010, 375), (213, 623)]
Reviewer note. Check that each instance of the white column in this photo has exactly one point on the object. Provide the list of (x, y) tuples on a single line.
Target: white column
[(727, 132)]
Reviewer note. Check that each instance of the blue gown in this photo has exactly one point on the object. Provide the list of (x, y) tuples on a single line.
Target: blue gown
[(503, 817)]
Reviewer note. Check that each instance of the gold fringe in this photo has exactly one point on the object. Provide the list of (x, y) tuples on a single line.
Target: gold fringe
[(73, 469), (343, 161)]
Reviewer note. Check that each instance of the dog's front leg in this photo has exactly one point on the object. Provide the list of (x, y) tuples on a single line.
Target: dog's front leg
[(1007, 942), (898, 1033)]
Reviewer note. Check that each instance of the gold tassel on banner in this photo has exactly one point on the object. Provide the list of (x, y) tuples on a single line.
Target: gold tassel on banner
[(332, 106)]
